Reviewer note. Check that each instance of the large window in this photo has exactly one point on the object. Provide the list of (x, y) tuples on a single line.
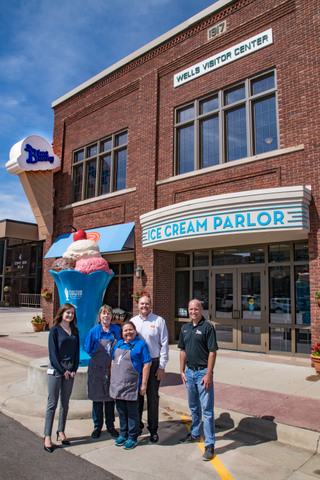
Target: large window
[(192, 267), (233, 123), (100, 168), (120, 289), (220, 277), (22, 269)]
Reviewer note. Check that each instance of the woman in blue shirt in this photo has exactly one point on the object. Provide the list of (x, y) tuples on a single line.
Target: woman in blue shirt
[(130, 372), (64, 362), (99, 344)]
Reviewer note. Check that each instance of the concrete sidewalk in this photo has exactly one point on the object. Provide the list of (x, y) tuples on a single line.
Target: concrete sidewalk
[(273, 396)]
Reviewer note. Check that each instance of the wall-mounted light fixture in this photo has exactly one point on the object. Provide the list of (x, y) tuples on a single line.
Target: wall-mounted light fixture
[(139, 271)]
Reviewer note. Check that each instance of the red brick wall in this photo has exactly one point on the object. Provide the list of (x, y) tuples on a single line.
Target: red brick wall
[(140, 96)]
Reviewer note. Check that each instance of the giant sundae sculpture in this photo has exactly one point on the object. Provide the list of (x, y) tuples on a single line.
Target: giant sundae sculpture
[(82, 277)]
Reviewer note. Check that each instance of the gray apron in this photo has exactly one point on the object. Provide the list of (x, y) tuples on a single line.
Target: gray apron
[(99, 371), (125, 378)]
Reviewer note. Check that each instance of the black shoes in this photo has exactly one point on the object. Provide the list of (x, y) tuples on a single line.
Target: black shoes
[(48, 449), (96, 433), (189, 439), (208, 454), (113, 432), (208, 451), (64, 442), (154, 438)]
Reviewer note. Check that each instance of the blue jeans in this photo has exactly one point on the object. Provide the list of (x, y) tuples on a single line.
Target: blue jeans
[(129, 418), (200, 401), (97, 414)]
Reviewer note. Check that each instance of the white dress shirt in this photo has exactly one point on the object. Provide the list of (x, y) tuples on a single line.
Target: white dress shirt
[(153, 331)]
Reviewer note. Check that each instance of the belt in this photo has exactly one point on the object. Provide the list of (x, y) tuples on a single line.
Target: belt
[(198, 367)]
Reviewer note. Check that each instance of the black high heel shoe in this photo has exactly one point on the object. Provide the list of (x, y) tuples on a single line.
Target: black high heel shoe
[(48, 449), (64, 442)]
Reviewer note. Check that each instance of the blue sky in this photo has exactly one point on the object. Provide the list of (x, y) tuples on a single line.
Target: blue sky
[(49, 47)]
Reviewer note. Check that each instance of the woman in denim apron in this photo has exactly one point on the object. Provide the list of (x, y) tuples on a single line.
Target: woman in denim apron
[(99, 344), (129, 375), (64, 362)]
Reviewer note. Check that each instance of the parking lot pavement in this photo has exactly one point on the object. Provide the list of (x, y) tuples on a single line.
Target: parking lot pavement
[(22, 457)]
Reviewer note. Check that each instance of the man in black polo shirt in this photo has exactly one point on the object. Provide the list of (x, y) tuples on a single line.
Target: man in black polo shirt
[(198, 346)]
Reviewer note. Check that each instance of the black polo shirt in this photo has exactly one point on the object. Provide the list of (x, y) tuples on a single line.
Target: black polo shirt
[(198, 341)]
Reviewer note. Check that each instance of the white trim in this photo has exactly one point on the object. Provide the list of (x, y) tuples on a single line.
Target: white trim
[(254, 216), (141, 51), (97, 199), (241, 161)]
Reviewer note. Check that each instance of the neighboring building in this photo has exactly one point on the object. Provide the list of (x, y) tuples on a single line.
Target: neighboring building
[(206, 139), (20, 263)]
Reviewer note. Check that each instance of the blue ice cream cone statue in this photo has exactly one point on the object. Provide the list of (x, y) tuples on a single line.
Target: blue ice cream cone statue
[(85, 292)]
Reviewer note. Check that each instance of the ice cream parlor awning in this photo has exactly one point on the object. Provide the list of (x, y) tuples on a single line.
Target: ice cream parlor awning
[(114, 238)]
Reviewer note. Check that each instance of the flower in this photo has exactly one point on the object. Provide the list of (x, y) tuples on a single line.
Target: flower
[(137, 295), (46, 293), (38, 319), (316, 350)]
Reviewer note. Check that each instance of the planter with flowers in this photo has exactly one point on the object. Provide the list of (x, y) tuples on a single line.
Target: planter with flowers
[(139, 294), (38, 323), (46, 294), (315, 357)]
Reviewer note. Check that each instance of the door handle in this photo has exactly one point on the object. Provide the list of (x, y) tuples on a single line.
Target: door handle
[(236, 314)]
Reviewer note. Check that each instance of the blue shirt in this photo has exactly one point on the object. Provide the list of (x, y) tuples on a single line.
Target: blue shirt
[(96, 333), (139, 354)]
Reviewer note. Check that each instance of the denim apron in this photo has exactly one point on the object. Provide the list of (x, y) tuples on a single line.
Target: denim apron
[(125, 378), (99, 371)]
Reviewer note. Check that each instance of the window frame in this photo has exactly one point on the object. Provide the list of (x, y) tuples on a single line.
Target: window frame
[(248, 102), (119, 274), (185, 266), (88, 159)]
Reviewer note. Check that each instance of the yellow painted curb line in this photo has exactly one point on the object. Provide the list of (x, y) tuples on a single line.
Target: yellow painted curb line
[(218, 465)]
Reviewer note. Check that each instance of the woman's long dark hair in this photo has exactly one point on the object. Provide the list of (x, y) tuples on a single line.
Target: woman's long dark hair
[(58, 318)]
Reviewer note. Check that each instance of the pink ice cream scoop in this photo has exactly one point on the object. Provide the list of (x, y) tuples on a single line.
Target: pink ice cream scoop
[(92, 264)]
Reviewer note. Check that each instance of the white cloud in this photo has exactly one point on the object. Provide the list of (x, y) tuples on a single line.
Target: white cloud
[(9, 102), (15, 206), (12, 66)]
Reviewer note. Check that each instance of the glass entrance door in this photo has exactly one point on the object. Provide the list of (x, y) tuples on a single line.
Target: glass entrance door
[(239, 308)]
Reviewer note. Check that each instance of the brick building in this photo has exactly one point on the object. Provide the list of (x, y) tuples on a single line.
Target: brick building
[(206, 139)]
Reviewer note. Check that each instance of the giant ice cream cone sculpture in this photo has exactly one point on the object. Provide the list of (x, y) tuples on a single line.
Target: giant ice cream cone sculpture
[(33, 160), (82, 277), (85, 292)]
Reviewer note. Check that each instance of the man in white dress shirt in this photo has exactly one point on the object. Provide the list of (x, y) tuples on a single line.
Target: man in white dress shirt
[(153, 330)]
